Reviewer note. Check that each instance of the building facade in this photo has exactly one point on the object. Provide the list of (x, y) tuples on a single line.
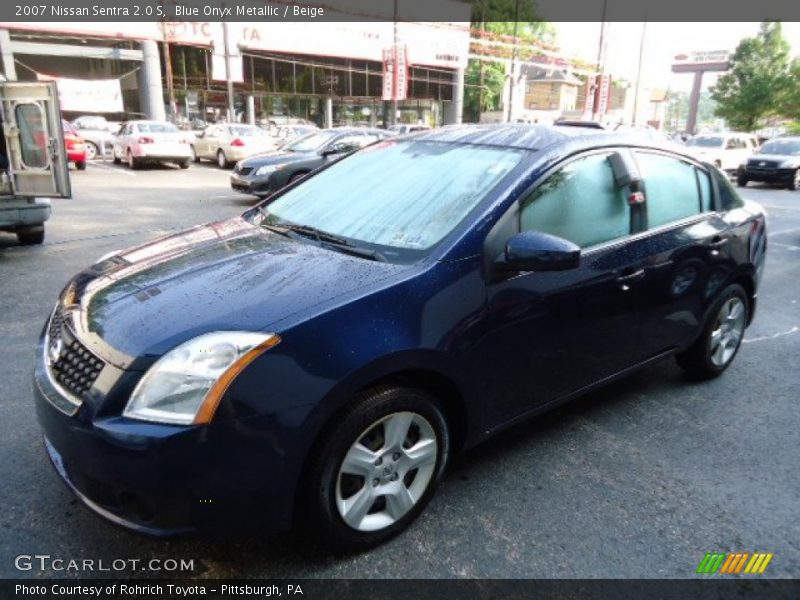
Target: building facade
[(326, 73)]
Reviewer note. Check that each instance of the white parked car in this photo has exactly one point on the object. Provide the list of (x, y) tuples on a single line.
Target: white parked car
[(228, 144), (140, 142), (725, 150)]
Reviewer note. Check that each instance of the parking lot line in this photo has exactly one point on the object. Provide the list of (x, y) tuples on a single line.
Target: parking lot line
[(114, 168)]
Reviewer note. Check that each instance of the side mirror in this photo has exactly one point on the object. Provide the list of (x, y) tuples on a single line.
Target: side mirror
[(535, 251)]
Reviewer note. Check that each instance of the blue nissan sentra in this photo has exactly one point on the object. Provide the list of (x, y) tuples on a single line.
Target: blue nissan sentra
[(318, 360)]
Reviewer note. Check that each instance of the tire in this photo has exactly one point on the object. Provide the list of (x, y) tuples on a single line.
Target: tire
[(80, 165), (296, 177), (331, 503), (117, 160), (222, 160), (795, 184), (184, 164), (195, 158), (92, 151), (131, 160), (31, 237), (717, 346), (742, 181)]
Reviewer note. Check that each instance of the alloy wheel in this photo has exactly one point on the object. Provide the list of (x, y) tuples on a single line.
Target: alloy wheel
[(727, 332), (386, 471), (91, 151)]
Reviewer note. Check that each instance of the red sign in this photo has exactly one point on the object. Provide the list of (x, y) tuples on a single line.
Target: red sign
[(603, 93), (395, 73)]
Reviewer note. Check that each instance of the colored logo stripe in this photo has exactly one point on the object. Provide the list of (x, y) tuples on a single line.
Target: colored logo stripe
[(733, 562)]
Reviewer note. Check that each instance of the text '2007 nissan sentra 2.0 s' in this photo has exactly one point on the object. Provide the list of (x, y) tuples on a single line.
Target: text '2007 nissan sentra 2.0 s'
[(318, 360)]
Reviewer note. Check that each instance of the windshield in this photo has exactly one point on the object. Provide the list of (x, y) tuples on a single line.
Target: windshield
[(157, 128), (706, 142), (785, 147), (370, 199), (311, 142), (247, 131)]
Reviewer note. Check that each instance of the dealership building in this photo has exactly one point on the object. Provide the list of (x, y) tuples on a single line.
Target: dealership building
[(329, 73)]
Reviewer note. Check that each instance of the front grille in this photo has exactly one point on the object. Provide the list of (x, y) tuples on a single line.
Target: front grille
[(70, 363), (757, 163), (244, 170)]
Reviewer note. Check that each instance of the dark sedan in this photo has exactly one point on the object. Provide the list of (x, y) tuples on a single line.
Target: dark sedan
[(266, 173), (304, 364), (777, 162)]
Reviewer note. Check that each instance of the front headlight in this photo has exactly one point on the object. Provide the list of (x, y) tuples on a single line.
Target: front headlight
[(788, 164), (185, 385)]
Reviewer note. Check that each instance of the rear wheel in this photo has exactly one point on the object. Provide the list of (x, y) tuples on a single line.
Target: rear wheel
[(80, 165), (376, 471), (31, 236), (184, 164), (195, 158), (717, 346), (132, 161), (91, 151), (117, 160)]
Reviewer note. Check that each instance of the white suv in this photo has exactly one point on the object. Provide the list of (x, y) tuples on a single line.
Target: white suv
[(725, 150)]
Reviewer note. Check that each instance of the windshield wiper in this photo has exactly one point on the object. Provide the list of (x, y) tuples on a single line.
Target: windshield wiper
[(328, 240)]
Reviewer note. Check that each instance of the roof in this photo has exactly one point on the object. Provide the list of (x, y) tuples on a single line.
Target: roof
[(539, 137), (556, 76)]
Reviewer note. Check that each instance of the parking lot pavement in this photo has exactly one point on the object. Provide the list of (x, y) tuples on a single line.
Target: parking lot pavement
[(640, 479)]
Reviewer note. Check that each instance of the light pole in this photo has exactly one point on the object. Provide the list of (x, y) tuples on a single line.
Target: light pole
[(638, 76), (231, 110), (600, 62)]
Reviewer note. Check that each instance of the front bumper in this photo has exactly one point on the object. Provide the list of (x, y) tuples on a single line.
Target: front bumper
[(23, 212), (249, 185), (163, 479), (784, 176)]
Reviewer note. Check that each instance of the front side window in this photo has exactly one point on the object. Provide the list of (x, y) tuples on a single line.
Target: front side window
[(580, 203), (671, 188), (370, 198)]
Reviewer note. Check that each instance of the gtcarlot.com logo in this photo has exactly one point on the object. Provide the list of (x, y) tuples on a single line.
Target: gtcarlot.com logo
[(46, 562), (734, 563)]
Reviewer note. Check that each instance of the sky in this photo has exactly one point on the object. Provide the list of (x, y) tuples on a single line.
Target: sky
[(662, 42)]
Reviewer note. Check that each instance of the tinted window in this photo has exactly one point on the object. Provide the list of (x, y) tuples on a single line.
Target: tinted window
[(157, 128), (580, 203), (671, 188), (781, 147), (728, 197)]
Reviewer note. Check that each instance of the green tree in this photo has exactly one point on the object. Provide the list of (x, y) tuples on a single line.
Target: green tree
[(790, 99), (484, 80), (757, 80)]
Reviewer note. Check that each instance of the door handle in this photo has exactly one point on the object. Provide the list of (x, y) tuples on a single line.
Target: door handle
[(625, 280), (717, 244)]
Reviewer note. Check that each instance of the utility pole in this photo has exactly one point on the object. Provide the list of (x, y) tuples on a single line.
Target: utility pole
[(601, 67), (638, 76), (228, 70), (170, 83), (511, 82)]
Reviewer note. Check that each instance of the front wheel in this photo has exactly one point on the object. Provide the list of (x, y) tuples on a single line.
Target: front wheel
[(91, 151), (193, 150), (184, 164), (222, 160), (715, 349), (31, 236), (378, 468), (742, 181), (795, 184)]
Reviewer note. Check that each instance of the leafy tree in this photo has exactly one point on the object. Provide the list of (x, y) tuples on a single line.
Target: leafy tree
[(757, 80), (790, 99)]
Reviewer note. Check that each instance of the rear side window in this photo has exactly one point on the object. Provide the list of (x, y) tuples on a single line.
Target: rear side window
[(728, 197), (580, 203), (32, 135), (671, 188)]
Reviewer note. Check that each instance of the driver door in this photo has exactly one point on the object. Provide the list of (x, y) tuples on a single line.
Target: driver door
[(34, 140)]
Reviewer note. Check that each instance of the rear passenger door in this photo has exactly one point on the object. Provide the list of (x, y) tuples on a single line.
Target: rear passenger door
[(685, 245)]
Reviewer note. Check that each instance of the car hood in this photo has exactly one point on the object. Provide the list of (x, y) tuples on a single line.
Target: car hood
[(275, 158), (232, 275)]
